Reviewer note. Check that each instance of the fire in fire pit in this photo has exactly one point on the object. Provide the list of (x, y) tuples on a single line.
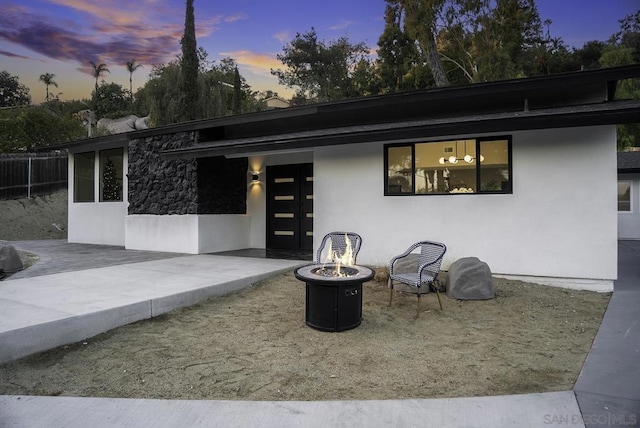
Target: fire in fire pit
[(336, 259), (334, 271)]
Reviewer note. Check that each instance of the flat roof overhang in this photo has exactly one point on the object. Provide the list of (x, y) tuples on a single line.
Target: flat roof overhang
[(607, 113)]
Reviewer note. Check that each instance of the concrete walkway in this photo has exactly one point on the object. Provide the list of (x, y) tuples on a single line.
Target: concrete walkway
[(608, 388), (41, 312)]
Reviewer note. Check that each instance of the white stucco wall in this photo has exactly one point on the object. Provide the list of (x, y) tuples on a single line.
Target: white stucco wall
[(97, 222), (191, 234), (560, 221), (629, 222)]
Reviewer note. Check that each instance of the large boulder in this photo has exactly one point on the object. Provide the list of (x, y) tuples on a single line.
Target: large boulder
[(124, 124), (9, 259), (470, 279)]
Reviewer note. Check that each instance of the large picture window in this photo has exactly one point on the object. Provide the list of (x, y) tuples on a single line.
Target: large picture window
[(83, 177), (624, 196), (111, 165), (476, 165)]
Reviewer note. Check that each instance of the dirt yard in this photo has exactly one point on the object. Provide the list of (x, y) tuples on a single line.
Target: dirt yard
[(41, 217), (255, 345)]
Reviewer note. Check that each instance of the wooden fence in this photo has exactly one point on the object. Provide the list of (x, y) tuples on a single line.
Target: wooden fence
[(24, 175)]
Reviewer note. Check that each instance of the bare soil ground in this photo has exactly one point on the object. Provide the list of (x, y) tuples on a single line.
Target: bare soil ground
[(41, 217), (255, 345)]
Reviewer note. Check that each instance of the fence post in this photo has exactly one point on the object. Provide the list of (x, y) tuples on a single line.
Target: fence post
[(29, 180)]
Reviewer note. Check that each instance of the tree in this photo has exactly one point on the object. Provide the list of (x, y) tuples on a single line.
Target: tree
[(590, 53), (237, 92), (485, 40), (629, 34), (216, 92), (111, 100), (421, 18), (623, 49), (399, 65), (25, 129), (160, 96), (465, 41), (47, 79), (98, 70), (12, 92), (111, 188), (189, 67), (131, 67), (319, 70)]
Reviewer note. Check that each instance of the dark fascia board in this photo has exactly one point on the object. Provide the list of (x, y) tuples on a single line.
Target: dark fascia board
[(195, 125), (564, 117), (198, 125), (89, 143)]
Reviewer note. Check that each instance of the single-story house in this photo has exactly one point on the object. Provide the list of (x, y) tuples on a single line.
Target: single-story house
[(629, 195), (519, 173)]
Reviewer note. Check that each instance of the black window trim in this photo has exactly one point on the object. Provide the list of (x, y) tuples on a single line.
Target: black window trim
[(478, 140), (75, 190)]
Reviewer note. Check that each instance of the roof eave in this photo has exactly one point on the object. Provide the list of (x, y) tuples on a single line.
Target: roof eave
[(602, 114)]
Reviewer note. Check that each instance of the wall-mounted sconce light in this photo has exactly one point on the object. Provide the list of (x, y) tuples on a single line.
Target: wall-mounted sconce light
[(255, 177)]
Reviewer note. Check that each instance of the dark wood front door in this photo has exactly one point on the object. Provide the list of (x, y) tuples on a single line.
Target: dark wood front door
[(290, 207)]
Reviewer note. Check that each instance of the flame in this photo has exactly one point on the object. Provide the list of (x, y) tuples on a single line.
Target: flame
[(345, 260)]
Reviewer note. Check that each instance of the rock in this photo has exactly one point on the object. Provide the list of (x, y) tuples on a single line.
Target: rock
[(124, 124), (9, 259), (470, 279)]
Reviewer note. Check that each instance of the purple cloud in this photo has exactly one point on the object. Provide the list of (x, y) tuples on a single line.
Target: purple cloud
[(109, 44), (12, 55)]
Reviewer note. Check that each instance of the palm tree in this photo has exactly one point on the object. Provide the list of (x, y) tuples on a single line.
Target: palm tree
[(97, 72), (131, 67), (47, 78)]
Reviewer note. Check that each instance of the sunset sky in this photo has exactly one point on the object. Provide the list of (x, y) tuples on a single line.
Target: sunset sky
[(63, 36)]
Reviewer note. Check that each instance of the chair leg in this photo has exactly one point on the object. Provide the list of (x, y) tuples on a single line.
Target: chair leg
[(436, 286), (439, 301), (418, 307), (390, 290)]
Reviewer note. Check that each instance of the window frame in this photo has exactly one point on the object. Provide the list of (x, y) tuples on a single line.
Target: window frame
[(120, 180), (478, 175), (75, 179), (631, 196)]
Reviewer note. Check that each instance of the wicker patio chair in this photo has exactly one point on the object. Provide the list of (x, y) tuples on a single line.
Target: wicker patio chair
[(425, 268), (338, 242)]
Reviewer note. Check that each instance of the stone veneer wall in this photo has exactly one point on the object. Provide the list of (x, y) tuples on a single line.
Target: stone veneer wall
[(222, 185), (183, 186)]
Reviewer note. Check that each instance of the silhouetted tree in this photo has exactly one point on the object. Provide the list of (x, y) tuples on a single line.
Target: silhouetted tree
[(12, 92), (98, 69), (131, 67), (189, 67), (47, 79)]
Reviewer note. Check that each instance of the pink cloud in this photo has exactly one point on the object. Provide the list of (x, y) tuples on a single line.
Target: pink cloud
[(236, 17), (342, 25), (282, 36), (256, 62)]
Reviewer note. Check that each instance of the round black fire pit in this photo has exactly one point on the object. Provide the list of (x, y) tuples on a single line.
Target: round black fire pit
[(334, 298)]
